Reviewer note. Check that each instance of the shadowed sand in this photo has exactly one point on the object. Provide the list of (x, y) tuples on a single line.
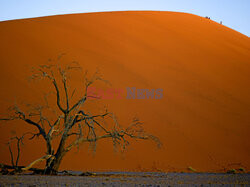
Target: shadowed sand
[(202, 66)]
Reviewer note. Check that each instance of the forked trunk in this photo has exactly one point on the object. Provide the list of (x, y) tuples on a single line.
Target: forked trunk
[(53, 166)]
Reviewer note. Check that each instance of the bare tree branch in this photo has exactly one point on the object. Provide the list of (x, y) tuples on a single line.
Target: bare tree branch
[(58, 97), (46, 157), (11, 155)]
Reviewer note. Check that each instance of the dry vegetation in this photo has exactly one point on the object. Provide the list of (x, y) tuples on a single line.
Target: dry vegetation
[(69, 122)]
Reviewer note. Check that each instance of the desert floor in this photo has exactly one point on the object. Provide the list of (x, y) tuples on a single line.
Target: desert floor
[(130, 179)]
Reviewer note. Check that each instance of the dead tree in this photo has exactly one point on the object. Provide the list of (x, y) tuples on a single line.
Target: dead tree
[(19, 140), (71, 119), (14, 162)]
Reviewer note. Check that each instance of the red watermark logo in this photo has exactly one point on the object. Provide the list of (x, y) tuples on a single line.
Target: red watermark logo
[(128, 93)]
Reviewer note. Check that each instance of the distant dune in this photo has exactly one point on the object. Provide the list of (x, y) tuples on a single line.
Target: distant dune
[(203, 119)]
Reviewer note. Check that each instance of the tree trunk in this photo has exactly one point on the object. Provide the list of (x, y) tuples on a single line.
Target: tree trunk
[(53, 166)]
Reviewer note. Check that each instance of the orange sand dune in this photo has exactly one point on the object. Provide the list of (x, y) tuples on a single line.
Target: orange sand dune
[(203, 119)]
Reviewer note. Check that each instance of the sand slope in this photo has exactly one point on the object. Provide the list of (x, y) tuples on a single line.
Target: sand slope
[(202, 66)]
